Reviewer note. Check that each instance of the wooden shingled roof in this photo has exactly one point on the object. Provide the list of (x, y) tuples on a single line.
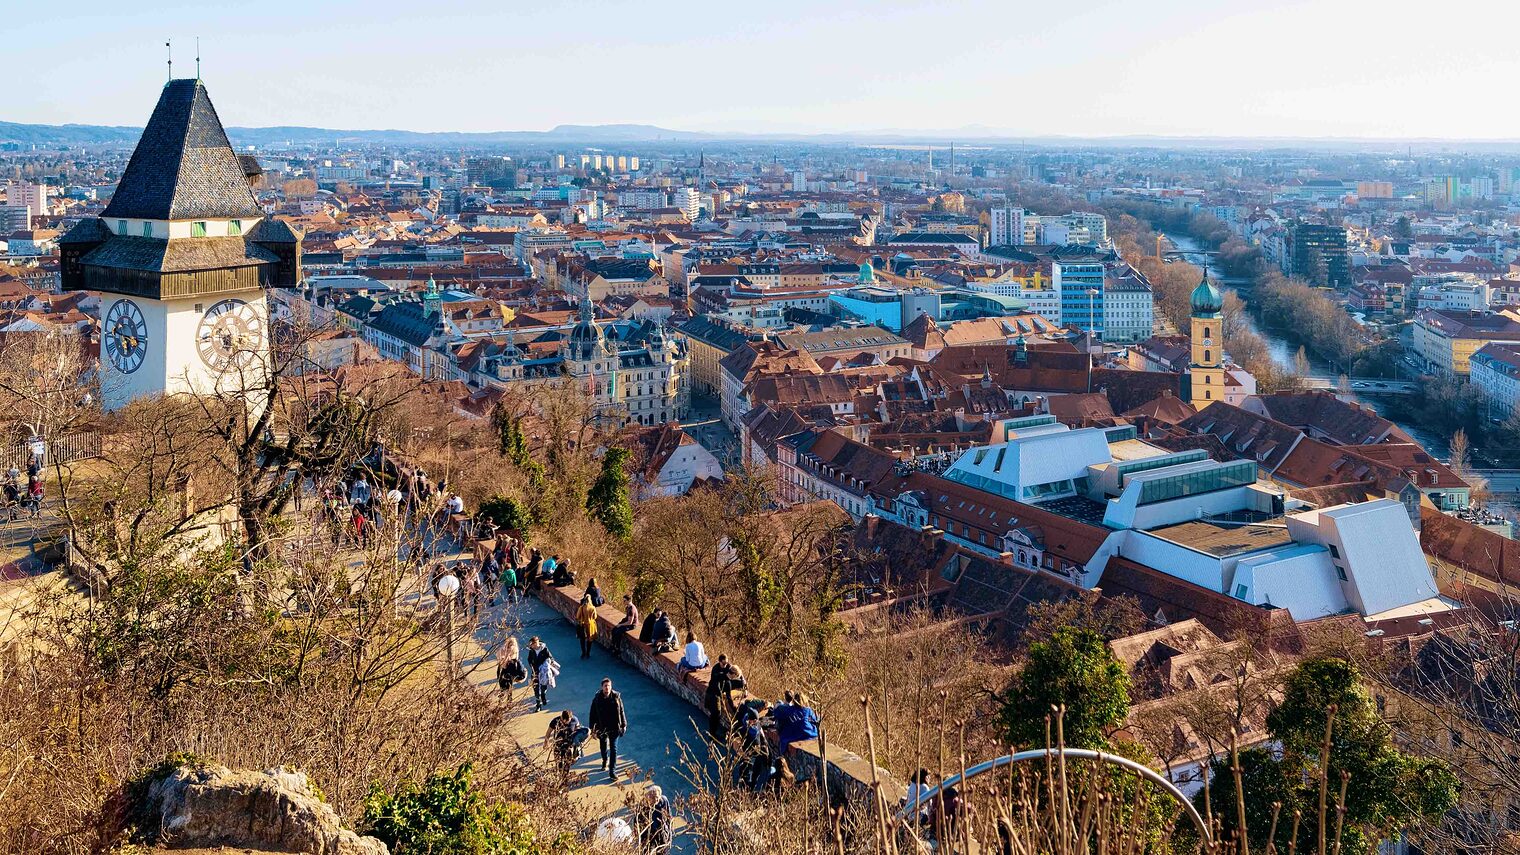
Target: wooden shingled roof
[(183, 167)]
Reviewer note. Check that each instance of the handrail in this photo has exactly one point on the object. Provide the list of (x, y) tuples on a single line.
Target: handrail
[(1140, 769)]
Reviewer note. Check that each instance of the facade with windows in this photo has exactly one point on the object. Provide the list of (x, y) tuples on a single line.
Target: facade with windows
[(1080, 286), (1129, 313)]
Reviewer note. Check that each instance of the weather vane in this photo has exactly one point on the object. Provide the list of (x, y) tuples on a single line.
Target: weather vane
[(169, 46)]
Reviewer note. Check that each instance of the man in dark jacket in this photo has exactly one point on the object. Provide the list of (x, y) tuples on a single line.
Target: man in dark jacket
[(609, 723), (663, 636), (719, 701)]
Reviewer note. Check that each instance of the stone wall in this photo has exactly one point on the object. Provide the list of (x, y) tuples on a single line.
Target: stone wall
[(849, 774)]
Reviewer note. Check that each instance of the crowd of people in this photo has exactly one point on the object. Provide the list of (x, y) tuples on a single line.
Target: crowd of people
[(758, 734)]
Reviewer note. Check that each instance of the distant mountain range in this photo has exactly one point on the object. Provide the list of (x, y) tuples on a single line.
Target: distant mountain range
[(110, 135), (972, 135)]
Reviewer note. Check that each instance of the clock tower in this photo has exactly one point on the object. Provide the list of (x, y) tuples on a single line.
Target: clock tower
[(1206, 367), (181, 257)]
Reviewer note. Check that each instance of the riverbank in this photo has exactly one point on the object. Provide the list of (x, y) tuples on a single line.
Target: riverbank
[(1284, 351)]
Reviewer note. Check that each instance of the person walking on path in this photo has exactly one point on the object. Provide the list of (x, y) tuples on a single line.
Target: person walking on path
[(585, 625), (509, 668), (654, 822), (508, 584), (360, 494), (541, 663), (609, 723)]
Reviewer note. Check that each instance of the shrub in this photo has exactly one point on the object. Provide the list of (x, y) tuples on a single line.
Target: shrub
[(446, 815), (508, 513)]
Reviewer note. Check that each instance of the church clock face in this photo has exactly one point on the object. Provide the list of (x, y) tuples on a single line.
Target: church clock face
[(230, 333), (126, 336)]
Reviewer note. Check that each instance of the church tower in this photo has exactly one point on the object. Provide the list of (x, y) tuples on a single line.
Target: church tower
[(182, 256), (1206, 367)]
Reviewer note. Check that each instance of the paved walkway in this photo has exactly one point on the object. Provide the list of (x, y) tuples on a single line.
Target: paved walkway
[(656, 718)]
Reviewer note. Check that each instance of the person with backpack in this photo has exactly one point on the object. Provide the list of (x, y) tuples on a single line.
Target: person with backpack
[(754, 749), (564, 738), (585, 625), (509, 668), (609, 722), (544, 669)]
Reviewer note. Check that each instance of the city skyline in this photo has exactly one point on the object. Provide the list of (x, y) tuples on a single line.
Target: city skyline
[(1288, 70)]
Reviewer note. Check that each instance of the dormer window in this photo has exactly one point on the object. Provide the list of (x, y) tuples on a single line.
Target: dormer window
[(121, 227), (198, 228), (234, 227)]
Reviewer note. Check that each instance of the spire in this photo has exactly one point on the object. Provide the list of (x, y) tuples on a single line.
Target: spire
[(183, 167)]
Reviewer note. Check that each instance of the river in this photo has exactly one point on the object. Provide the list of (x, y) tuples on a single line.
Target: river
[(1283, 352)]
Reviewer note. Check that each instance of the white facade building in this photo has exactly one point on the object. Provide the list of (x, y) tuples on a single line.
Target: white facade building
[(1495, 372), (1005, 227), (1128, 309), (688, 200)]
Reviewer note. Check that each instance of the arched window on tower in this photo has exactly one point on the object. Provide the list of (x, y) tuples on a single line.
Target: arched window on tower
[(1207, 356), (1208, 394)]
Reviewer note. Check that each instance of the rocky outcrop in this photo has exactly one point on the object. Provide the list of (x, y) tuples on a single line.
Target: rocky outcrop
[(213, 805)]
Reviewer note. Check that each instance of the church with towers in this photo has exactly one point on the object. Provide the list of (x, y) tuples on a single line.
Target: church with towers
[(182, 257)]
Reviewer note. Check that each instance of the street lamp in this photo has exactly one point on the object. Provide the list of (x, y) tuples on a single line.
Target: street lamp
[(448, 586)]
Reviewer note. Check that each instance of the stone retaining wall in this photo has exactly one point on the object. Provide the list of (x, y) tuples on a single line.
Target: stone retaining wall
[(849, 774)]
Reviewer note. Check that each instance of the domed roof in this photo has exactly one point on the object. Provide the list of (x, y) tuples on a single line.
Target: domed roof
[(586, 329), (1206, 298)]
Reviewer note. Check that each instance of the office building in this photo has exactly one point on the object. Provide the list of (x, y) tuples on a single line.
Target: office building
[(1080, 286), (1319, 255)]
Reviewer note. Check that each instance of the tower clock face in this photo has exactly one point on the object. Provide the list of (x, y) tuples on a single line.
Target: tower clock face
[(125, 336), (230, 333)]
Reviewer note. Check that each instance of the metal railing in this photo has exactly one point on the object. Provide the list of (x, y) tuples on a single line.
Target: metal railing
[(922, 799), (66, 448)]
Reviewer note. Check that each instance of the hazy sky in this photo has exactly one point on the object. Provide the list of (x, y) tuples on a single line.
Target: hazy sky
[(1332, 68)]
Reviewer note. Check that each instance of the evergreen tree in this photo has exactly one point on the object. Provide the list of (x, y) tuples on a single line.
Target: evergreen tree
[(1388, 789), (1074, 669), (608, 502)]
